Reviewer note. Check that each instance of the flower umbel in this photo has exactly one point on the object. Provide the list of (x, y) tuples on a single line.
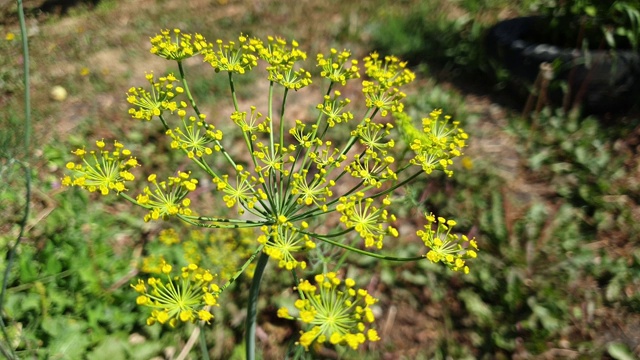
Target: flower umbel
[(180, 47), (195, 136), (150, 104), (233, 57), (446, 247), (281, 241), (337, 67), (312, 182), (367, 219), (168, 198), (335, 311), (435, 145), (184, 298), (103, 170)]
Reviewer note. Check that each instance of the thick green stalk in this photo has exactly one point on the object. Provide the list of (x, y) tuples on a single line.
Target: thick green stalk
[(252, 307), (203, 344), (9, 353)]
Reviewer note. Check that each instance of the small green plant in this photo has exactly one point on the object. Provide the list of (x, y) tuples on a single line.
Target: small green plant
[(593, 23), (292, 184)]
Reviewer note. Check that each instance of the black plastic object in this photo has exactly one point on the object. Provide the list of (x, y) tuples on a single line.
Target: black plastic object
[(604, 80)]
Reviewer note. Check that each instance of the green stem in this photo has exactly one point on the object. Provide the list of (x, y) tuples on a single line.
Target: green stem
[(233, 92), (241, 270), (195, 108), (10, 353), (203, 344), (252, 307), (361, 252)]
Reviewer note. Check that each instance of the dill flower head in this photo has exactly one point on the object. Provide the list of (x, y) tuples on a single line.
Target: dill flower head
[(387, 76), (101, 170), (334, 311), (370, 221), (195, 137), (445, 246), (187, 297), (282, 241), (337, 67), (179, 47), (281, 58), (154, 103), (436, 144), (234, 57), (167, 198)]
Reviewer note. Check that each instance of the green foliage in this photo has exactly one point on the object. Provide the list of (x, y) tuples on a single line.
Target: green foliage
[(65, 299), (446, 35), (535, 282), (427, 34), (593, 21)]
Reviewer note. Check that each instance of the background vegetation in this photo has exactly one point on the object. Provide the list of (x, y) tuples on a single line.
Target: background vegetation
[(553, 198)]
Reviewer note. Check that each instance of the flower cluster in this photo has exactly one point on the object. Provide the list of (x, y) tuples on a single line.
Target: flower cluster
[(167, 198), (184, 298), (180, 47), (196, 138), (335, 311), (338, 67), (281, 59), (102, 170), (293, 182), (445, 246), (436, 144), (232, 57), (204, 249), (281, 241), (371, 222), (388, 76), (149, 104)]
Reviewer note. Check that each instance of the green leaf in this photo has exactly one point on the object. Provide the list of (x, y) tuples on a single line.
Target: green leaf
[(619, 351), (476, 307), (69, 338), (112, 348), (590, 10), (146, 350)]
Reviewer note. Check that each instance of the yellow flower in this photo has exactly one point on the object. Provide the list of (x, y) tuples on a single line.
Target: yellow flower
[(103, 170), (337, 67), (445, 246), (367, 219), (232, 57), (168, 198), (282, 242), (154, 103), (180, 47), (335, 311), (184, 298), (435, 145)]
